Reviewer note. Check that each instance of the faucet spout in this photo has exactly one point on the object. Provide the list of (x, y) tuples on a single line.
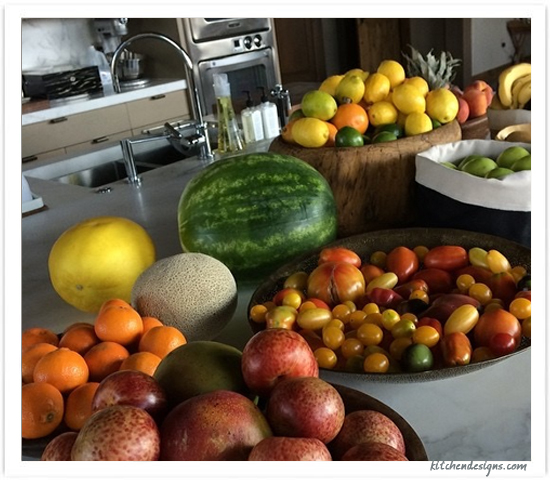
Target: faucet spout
[(206, 150)]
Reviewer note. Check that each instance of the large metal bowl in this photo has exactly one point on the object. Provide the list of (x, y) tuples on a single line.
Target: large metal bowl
[(385, 240)]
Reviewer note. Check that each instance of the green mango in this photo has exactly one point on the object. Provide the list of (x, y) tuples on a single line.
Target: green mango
[(479, 166), (508, 156), (499, 173), (523, 163)]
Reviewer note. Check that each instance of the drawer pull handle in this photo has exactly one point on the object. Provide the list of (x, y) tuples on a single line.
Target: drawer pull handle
[(31, 158), (99, 140), (59, 120), (158, 97)]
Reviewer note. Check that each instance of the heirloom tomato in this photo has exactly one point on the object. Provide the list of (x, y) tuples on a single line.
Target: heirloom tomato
[(493, 322), (339, 254), (336, 282)]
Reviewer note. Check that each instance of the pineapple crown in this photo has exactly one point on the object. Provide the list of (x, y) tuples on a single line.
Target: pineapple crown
[(438, 72)]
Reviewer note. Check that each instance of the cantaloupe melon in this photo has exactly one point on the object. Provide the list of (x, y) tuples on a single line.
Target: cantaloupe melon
[(193, 292)]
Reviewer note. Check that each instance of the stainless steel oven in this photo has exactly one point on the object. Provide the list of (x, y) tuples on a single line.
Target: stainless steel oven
[(243, 48)]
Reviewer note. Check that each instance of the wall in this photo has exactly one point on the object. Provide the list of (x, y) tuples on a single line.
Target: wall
[(55, 42)]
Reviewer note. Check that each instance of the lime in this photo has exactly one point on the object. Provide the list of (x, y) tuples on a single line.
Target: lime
[(383, 137), (394, 128), (318, 104), (349, 137), (435, 123)]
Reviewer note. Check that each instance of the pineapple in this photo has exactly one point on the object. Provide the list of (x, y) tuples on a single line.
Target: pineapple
[(439, 73)]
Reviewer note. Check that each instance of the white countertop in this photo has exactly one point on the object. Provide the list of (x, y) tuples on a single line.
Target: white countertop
[(70, 107), (482, 416)]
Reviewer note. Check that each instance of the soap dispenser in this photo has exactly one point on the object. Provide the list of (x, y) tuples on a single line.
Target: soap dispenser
[(270, 116), (251, 118), (229, 135)]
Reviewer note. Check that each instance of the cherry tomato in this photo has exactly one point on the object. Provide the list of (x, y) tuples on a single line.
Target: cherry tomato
[(335, 323), (386, 280), (341, 312), (339, 254), (526, 327), (503, 286), (438, 280), (432, 322), (281, 317), (419, 295), (398, 346), (370, 271), (326, 358), (524, 294), (297, 280), (481, 292), (313, 318), (518, 272), (385, 297), (370, 334), (293, 299), (426, 335), (406, 289), (456, 349), (376, 363), (421, 251), (378, 258), (478, 257), (371, 308), (463, 319), (446, 257), (497, 262), (464, 281), (480, 274), (357, 318), (417, 358), (257, 313), (520, 308), (278, 298), (502, 344), (481, 354), (389, 318), (319, 303), (403, 262), (403, 328), (352, 347), (333, 337)]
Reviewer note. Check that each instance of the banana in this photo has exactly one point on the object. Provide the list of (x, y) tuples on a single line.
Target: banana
[(507, 78), (495, 103), (524, 95), (516, 88)]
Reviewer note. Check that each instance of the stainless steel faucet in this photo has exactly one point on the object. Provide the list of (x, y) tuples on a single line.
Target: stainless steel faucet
[(201, 127)]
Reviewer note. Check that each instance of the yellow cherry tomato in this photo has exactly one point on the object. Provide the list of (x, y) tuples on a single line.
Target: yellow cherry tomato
[(497, 262), (370, 334), (481, 292), (376, 363), (357, 318), (257, 313), (352, 347), (426, 335), (403, 328), (464, 282), (389, 318), (463, 319), (333, 337), (313, 318), (326, 358), (371, 308), (398, 346), (520, 308)]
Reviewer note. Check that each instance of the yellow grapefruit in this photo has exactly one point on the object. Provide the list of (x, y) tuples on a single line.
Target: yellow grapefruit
[(99, 259)]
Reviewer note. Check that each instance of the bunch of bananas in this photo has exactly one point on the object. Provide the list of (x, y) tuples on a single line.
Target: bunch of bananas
[(514, 87)]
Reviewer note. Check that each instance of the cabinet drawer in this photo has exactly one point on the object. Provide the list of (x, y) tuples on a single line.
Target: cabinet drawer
[(38, 160), (97, 143), (158, 108), (73, 129)]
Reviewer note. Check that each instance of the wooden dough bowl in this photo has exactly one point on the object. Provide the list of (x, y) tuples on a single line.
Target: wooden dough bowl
[(373, 186)]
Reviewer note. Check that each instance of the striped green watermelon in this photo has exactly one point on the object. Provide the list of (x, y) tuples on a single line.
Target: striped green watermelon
[(255, 212)]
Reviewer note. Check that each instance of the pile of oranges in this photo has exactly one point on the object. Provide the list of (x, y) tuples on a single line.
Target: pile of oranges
[(60, 373), (359, 108)]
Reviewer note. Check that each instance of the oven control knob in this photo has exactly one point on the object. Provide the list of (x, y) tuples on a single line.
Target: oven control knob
[(258, 40), (247, 42)]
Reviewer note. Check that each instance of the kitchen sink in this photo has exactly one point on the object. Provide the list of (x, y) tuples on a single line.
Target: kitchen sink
[(104, 166)]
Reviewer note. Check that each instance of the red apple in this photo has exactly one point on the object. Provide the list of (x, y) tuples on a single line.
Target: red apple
[(273, 354), (120, 433), (288, 449), (219, 425), (336, 282), (374, 452), (463, 111), (131, 387), (477, 101), (59, 448), (364, 426), (483, 87), (305, 407)]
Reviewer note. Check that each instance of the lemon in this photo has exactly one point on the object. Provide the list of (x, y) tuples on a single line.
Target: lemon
[(318, 104), (382, 113), (417, 123), (393, 70), (310, 132), (377, 88), (442, 105), (99, 259), (359, 72), (350, 89), (408, 99), (329, 84), (419, 83)]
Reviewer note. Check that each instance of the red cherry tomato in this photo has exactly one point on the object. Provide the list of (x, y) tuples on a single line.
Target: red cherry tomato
[(503, 286), (339, 254), (438, 280), (385, 297), (524, 294), (431, 322), (406, 289), (446, 257), (278, 298), (403, 262), (502, 344), (318, 303)]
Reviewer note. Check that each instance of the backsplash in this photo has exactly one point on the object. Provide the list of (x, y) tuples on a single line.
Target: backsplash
[(55, 42)]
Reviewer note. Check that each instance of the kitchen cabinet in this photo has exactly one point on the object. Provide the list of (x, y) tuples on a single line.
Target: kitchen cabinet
[(157, 109)]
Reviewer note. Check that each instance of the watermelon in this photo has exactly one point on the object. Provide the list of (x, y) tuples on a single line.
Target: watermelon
[(255, 212)]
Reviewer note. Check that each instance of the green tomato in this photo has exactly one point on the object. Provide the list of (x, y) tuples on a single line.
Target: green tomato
[(417, 358)]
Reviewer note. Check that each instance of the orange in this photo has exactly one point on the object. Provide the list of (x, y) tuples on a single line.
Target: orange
[(33, 335), (105, 358), (78, 406), (145, 362), (351, 115), (114, 302), (161, 340), (79, 338), (30, 358), (149, 323), (118, 323), (41, 410), (63, 368), (332, 131), (286, 132), (77, 324)]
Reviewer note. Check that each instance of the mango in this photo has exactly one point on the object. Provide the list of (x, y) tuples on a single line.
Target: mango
[(479, 166), (499, 173), (523, 163), (508, 156)]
